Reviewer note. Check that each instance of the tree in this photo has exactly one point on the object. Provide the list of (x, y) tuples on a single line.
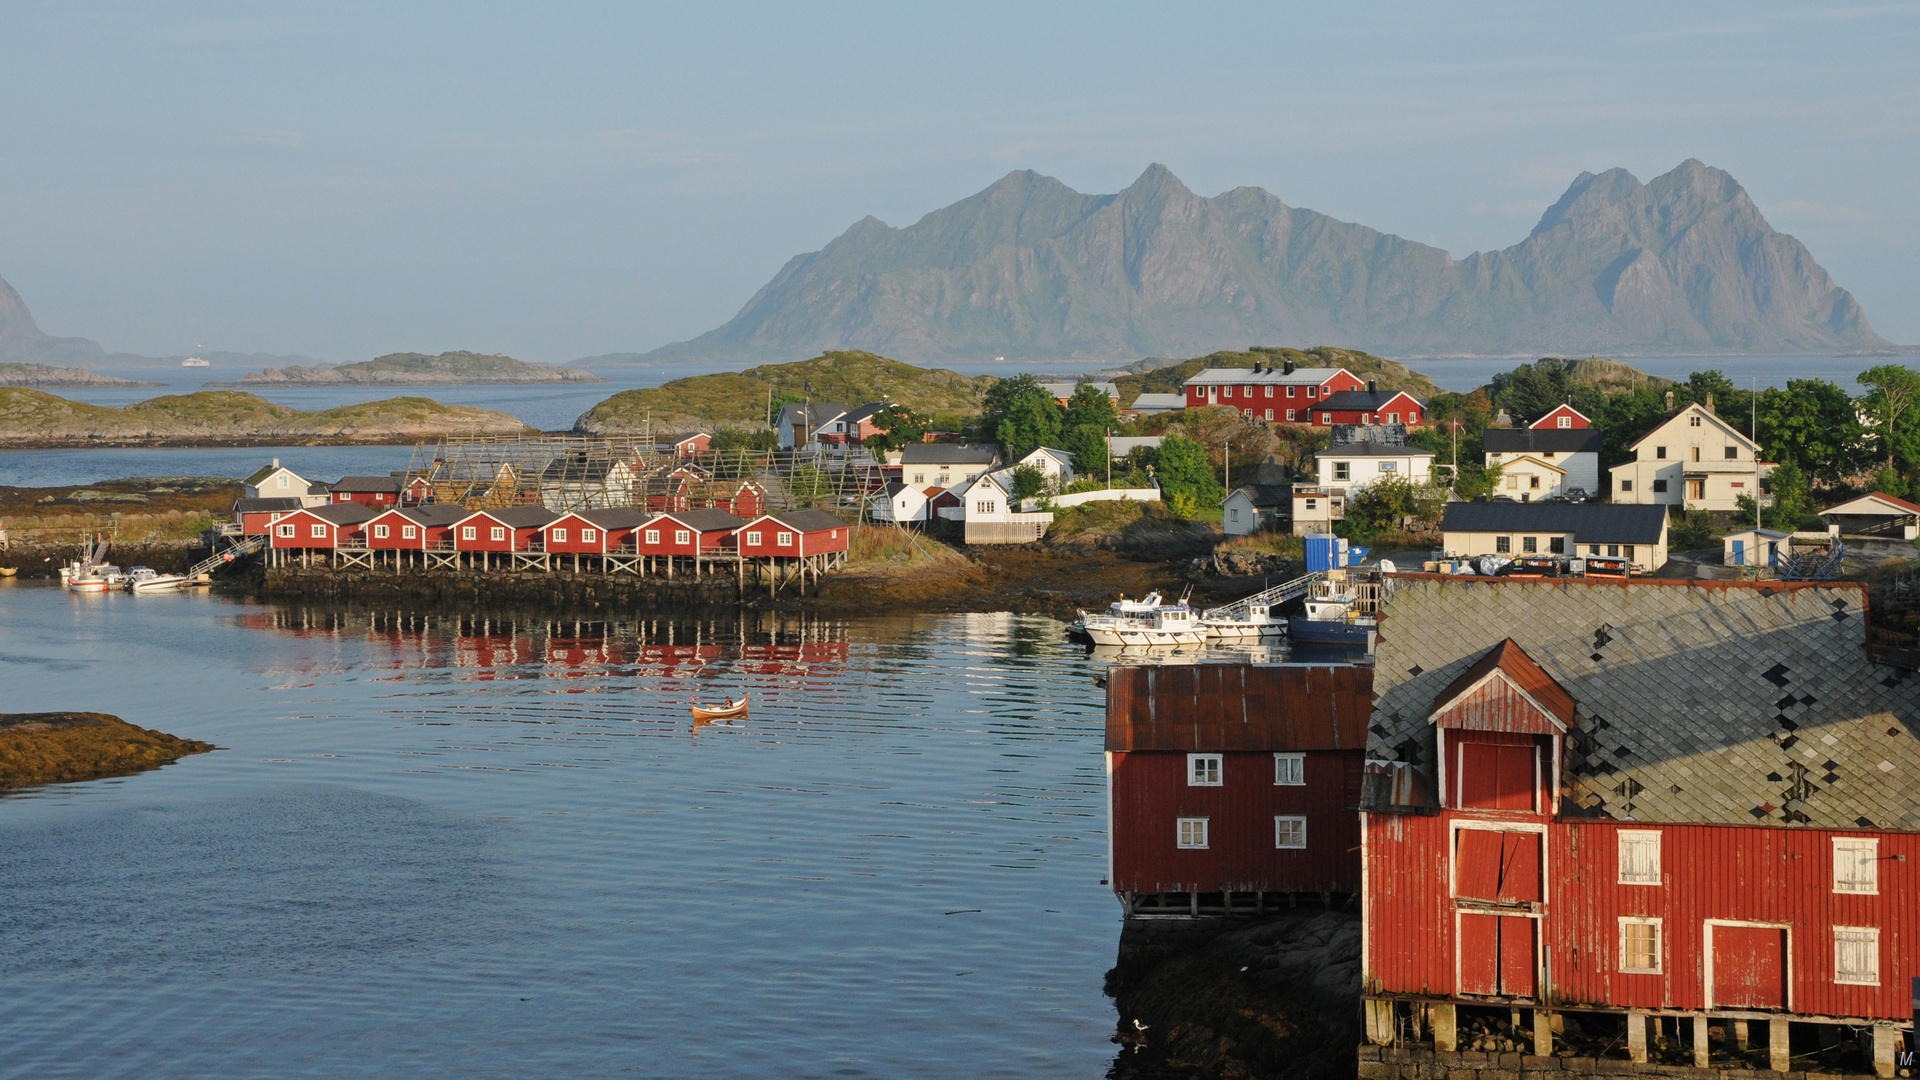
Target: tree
[(1813, 422), (1792, 502), (1028, 481), (1184, 469), (1090, 414), (899, 427), (1389, 503), (1021, 415), (1088, 445), (1895, 389)]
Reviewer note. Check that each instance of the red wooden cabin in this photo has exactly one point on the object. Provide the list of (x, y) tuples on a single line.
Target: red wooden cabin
[(591, 532), (320, 528), (1564, 417), (496, 531), (1253, 391), (689, 532), (413, 528), (743, 499), (793, 534), (417, 490), (686, 446), (255, 516), (1667, 799), (1369, 406), (1229, 782), (375, 491)]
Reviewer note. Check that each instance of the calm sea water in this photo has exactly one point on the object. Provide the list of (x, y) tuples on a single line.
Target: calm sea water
[(471, 847)]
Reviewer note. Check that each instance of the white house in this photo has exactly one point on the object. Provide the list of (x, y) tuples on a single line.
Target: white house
[(1636, 533), (945, 464), (1570, 456), (1055, 465), (901, 504), (988, 510), (1694, 460), (1755, 547), (278, 482), (1255, 508), (1358, 464)]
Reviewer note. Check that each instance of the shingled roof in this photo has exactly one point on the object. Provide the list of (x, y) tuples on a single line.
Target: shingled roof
[(1717, 702)]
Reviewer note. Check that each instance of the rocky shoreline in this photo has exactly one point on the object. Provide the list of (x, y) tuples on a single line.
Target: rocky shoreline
[(63, 747)]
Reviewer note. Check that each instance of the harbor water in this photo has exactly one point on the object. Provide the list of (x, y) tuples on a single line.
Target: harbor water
[(459, 845)]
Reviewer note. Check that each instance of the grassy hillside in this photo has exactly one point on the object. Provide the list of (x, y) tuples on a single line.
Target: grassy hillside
[(420, 369), (1389, 374), (34, 417), (740, 398)]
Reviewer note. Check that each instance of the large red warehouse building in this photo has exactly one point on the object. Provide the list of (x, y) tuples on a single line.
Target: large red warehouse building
[(1695, 801)]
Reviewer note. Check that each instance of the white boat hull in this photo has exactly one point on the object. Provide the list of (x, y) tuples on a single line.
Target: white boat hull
[(87, 584), (1238, 631), (1142, 635), (157, 584)]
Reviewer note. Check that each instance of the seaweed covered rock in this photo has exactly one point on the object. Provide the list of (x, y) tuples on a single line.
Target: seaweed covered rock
[(61, 747)]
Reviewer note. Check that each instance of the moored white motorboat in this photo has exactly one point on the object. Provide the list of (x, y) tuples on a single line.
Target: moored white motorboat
[(86, 579), (1168, 624), (1332, 617), (1138, 610), (1258, 621), (140, 579)]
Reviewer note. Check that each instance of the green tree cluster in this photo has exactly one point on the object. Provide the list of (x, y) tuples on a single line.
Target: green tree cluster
[(1022, 416), (1185, 472), (898, 427)]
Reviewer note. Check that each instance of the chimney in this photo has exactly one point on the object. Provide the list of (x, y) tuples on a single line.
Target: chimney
[(1669, 401), (1373, 386), (276, 463), (1256, 367), (1289, 369), (1709, 401)]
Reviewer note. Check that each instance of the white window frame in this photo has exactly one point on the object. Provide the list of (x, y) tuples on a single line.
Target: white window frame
[(783, 539), (469, 532), (1565, 422), (1629, 837), (1865, 857), (589, 536), (380, 532), (653, 536), (1288, 828), (317, 532), (1190, 833), (409, 532), (1659, 944), (1289, 770), (1205, 770), (1857, 935), (283, 481), (682, 536), (753, 539), (498, 533), (559, 536), (287, 531)]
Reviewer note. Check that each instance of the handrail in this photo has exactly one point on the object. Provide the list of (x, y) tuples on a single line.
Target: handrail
[(221, 558), (1279, 594)]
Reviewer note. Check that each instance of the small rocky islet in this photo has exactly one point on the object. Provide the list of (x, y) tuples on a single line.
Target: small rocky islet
[(64, 747)]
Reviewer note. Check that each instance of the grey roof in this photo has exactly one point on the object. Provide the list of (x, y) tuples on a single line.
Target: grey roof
[(707, 520), (1263, 495), (810, 413), (346, 513), (864, 411), (615, 517), (1541, 440), (1168, 402), (1361, 400), (434, 513), (261, 506), (519, 517), (1372, 449), (950, 454), (809, 520), (1694, 700), (1273, 376), (1603, 523), (385, 484)]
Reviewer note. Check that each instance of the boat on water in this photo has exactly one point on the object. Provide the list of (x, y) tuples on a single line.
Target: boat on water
[(1259, 620), (142, 579), (1166, 624), (722, 712), (1122, 608), (88, 578), (1333, 617), (194, 361), (9, 571)]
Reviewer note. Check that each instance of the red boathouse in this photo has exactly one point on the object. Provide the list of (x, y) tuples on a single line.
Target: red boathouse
[(1230, 786), (1682, 802)]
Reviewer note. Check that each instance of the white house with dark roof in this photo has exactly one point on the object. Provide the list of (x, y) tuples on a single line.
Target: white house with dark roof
[(946, 464), (275, 481), (1253, 508), (1635, 533), (1570, 456), (1694, 460)]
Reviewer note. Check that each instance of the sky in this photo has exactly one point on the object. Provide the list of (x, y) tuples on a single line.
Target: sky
[(555, 181)]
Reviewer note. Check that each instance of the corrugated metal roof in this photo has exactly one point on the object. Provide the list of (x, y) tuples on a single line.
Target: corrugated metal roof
[(1362, 400), (1512, 661), (1728, 702), (1598, 523), (1282, 707), (260, 506), (368, 484), (711, 520)]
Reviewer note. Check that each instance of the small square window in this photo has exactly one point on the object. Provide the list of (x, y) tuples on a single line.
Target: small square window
[(285, 530), (319, 532), (468, 532), (1310, 391), (682, 536), (1289, 770), (559, 536), (753, 538), (1640, 946), (1269, 394), (1659, 485), (1660, 451), (1733, 453), (1557, 545), (1203, 770), (1639, 856), (1503, 544), (1565, 422), (498, 532), (1856, 955), (1290, 832), (409, 532), (1192, 832), (1694, 420), (1627, 485), (589, 536), (1389, 466), (784, 539), (1326, 418), (1533, 482), (379, 532), (1856, 865), (1613, 549), (1289, 394), (1233, 513), (1513, 483), (653, 537), (1313, 504), (1342, 470), (1530, 545), (1593, 549)]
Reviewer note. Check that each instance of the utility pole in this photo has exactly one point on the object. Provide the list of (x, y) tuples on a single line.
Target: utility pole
[(1226, 463), (1109, 459), (1753, 432)]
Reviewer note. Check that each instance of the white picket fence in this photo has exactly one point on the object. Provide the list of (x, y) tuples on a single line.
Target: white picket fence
[(1061, 502)]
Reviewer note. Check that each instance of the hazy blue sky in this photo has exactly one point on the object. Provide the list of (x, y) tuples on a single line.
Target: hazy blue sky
[(554, 181)]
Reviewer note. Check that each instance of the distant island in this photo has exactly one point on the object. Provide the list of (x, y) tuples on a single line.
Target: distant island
[(48, 377), (1032, 269), (34, 418), (419, 369)]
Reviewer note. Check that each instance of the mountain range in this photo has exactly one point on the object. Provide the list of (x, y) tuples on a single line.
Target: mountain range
[(1030, 268)]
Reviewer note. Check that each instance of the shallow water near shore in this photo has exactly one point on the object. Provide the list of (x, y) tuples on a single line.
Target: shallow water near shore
[(462, 845)]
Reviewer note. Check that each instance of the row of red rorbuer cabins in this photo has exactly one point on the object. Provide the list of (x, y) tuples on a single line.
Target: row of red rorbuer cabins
[(1610, 824)]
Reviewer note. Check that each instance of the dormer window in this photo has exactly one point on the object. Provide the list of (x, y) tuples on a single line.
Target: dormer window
[(1565, 422)]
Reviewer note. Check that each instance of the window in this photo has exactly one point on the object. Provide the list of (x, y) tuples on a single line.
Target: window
[(1593, 549), (984, 506), (379, 532), (1856, 955), (1627, 485), (1613, 549), (1530, 545), (1513, 483), (1640, 946), (653, 537), (1228, 392), (1393, 418), (1326, 418), (1310, 391), (1289, 770), (783, 539), (286, 531), (1627, 551), (1533, 482), (1660, 451), (1203, 770), (1313, 504), (1289, 394), (1565, 422), (318, 532), (1269, 394), (1289, 832), (559, 536), (1733, 453), (589, 536), (919, 478), (1269, 414), (682, 536), (409, 532), (1659, 485), (1557, 545), (1343, 470), (1193, 832), (468, 532), (282, 479), (1549, 455), (1694, 420), (1389, 466), (753, 538), (1856, 865), (1503, 544), (1233, 513), (1248, 413), (1696, 453), (498, 532), (1413, 417), (1639, 857), (1289, 411)]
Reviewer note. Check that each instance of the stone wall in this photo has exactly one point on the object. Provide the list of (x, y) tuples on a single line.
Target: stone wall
[(1421, 1063)]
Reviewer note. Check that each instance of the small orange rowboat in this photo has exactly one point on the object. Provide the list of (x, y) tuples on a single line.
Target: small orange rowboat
[(722, 712)]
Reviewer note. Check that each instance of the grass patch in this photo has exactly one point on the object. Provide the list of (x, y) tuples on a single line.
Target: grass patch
[(740, 397), (888, 545), (1115, 517), (1271, 543)]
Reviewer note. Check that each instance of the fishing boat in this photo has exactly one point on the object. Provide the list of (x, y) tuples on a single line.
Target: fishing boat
[(87, 578), (1166, 624), (142, 579), (722, 712), (1138, 610), (1332, 617), (1259, 620)]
